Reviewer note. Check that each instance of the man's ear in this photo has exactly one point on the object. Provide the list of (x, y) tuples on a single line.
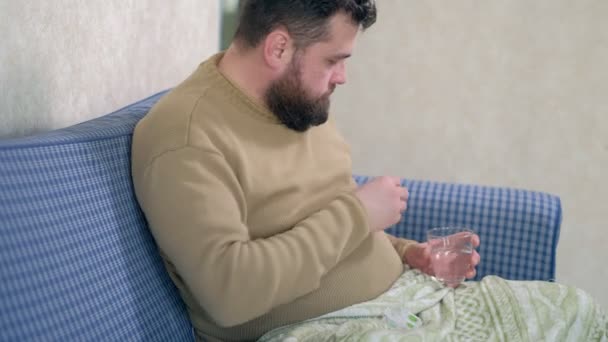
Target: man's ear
[(278, 49)]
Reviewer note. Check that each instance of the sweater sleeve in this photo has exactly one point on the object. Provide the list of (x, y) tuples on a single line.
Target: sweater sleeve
[(400, 245), (195, 208)]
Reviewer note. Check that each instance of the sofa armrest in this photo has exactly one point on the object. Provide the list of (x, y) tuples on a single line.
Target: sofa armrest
[(519, 229)]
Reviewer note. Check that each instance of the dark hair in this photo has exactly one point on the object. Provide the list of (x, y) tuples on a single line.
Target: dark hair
[(305, 20)]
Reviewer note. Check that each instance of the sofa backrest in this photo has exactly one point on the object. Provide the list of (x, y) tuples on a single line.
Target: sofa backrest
[(77, 262)]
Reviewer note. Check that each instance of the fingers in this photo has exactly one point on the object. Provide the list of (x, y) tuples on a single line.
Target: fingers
[(394, 180), (475, 240), (475, 259), (472, 272), (403, 193), (397, 182), (389, 179)]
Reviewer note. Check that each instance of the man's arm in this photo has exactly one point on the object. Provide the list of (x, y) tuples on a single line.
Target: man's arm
[(401, 245), (196, 210)]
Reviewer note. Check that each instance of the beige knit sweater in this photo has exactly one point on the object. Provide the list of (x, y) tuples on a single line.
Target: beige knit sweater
[(258, 224)]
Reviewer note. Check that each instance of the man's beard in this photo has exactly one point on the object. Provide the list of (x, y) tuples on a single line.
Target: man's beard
[(291, 104)]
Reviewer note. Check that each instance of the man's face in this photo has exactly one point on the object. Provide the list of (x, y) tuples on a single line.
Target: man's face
[(300, 97)]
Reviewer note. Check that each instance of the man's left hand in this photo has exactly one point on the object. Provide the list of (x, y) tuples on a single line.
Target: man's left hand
[(419, 256)]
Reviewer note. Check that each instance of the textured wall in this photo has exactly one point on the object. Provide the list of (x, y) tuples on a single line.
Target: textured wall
[(66, 61), (511, 93)]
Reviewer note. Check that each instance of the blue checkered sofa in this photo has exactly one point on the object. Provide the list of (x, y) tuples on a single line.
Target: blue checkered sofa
[(77, 262)]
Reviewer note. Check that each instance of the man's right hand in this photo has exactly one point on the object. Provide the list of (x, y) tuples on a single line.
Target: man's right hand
[(384, 199)]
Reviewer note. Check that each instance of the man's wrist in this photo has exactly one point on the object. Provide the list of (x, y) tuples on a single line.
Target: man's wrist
[(403, 247), (408, 249)]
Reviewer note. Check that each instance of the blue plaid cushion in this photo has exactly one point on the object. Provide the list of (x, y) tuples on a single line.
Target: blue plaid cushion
[(77, 262), (519, 229)]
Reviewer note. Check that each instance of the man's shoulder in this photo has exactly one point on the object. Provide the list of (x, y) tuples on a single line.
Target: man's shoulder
[(190, 97), (178, 105), (169, 123)]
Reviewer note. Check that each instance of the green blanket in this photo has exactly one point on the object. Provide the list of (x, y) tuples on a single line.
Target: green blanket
[(418, 308)]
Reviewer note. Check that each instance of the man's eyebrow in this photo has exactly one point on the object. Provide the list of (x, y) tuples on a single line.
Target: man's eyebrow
[(342, 55)]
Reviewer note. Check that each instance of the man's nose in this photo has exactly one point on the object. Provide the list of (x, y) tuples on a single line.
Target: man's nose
[(339, 76)]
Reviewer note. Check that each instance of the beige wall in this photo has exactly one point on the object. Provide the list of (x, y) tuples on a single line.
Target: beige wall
[(510, 93), (66, 61)]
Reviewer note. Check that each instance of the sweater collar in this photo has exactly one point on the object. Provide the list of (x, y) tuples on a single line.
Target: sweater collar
[(240, 98)]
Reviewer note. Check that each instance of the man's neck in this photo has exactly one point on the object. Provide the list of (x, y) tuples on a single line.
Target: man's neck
[(243, 69)]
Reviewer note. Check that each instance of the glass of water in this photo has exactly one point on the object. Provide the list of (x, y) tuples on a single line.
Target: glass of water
[(451, 253)]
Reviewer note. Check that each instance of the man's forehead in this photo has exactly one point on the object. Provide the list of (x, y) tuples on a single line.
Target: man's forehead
[(342, 29), (328, 49)]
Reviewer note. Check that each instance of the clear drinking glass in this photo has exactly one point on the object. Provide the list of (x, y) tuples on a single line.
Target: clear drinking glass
[(451, 249)]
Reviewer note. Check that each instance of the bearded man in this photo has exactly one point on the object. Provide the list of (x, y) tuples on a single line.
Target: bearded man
[(247, 185)]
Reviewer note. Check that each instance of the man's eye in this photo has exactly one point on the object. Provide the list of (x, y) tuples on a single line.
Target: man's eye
[(332, 61)]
